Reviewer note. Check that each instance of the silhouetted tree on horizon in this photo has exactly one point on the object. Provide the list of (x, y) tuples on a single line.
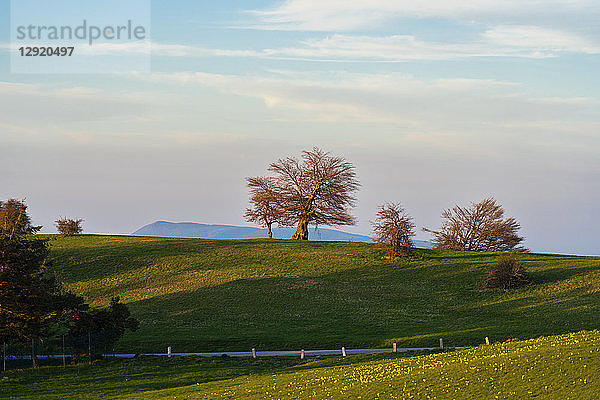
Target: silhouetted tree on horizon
[(479, 227), (68, 226), (318, 188), (264, 207), (393, 228)]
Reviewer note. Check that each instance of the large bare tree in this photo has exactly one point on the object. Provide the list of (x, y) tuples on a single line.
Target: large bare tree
[(264, 207), (480, 227), (316, 189), (393, 228)]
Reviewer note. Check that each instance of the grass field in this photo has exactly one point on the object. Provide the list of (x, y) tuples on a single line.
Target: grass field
[(202, 295), (556, 367)]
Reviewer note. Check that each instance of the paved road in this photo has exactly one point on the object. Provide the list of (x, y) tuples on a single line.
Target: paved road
[(296, 353), (275, 353)]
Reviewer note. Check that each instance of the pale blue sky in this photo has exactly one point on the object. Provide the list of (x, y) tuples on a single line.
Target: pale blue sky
[(436, 103)]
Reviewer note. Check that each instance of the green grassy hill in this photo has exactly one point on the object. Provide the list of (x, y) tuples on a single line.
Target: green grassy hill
[(557, 367), (201, 295), (563, 368)]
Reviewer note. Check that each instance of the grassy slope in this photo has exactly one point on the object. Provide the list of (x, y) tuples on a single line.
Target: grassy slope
[(559, 367), (199, 294)]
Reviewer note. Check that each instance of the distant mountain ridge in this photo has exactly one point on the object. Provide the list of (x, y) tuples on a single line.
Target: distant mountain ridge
[(210, 231)]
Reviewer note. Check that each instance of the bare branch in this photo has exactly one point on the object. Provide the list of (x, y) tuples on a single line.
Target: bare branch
[(480, 227), (394, 229), (317, 189), (68, 226), (264, 203)]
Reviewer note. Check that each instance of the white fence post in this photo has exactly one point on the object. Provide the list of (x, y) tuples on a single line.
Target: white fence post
[(169, 351), (343, 352)]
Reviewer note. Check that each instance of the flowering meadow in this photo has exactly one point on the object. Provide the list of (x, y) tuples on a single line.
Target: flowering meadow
[(555, 367)]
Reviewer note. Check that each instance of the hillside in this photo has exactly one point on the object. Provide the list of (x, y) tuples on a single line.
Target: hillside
[(550, 368), (556, 367), (196, 294), (562, 367)]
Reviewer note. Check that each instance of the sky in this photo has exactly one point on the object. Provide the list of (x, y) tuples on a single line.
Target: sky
[(435, 102)]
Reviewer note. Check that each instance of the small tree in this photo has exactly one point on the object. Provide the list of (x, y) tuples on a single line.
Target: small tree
[(507, 273), (318, 189), (264, 208), (480, 227), (14, 219), (393, 228), (68, 226)]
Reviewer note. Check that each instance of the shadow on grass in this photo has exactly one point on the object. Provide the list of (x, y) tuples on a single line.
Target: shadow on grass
[(351, 296), (357, 308), (91, 257), (107, 378), (553, 275)]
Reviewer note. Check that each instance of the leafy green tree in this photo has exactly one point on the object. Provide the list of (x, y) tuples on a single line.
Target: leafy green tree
[(107, 324), (32, 302), (14, 219)]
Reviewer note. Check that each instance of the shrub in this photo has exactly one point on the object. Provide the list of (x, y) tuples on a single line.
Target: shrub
[(507, 273), (394, 229), (69, 227)]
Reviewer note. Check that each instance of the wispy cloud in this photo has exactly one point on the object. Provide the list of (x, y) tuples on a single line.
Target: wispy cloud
[(348, 15), (50, 111), (473, 106), (138, 47), (521, 41), (539, 39), (501, 41)]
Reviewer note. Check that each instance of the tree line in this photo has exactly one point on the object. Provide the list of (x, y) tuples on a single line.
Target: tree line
[(320, 189)]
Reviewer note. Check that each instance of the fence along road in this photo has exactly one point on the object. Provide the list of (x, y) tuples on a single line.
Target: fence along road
[(273, 353)]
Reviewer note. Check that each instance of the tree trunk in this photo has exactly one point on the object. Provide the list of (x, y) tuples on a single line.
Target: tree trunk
[(270, 231), (33, 356), (302, 230)]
